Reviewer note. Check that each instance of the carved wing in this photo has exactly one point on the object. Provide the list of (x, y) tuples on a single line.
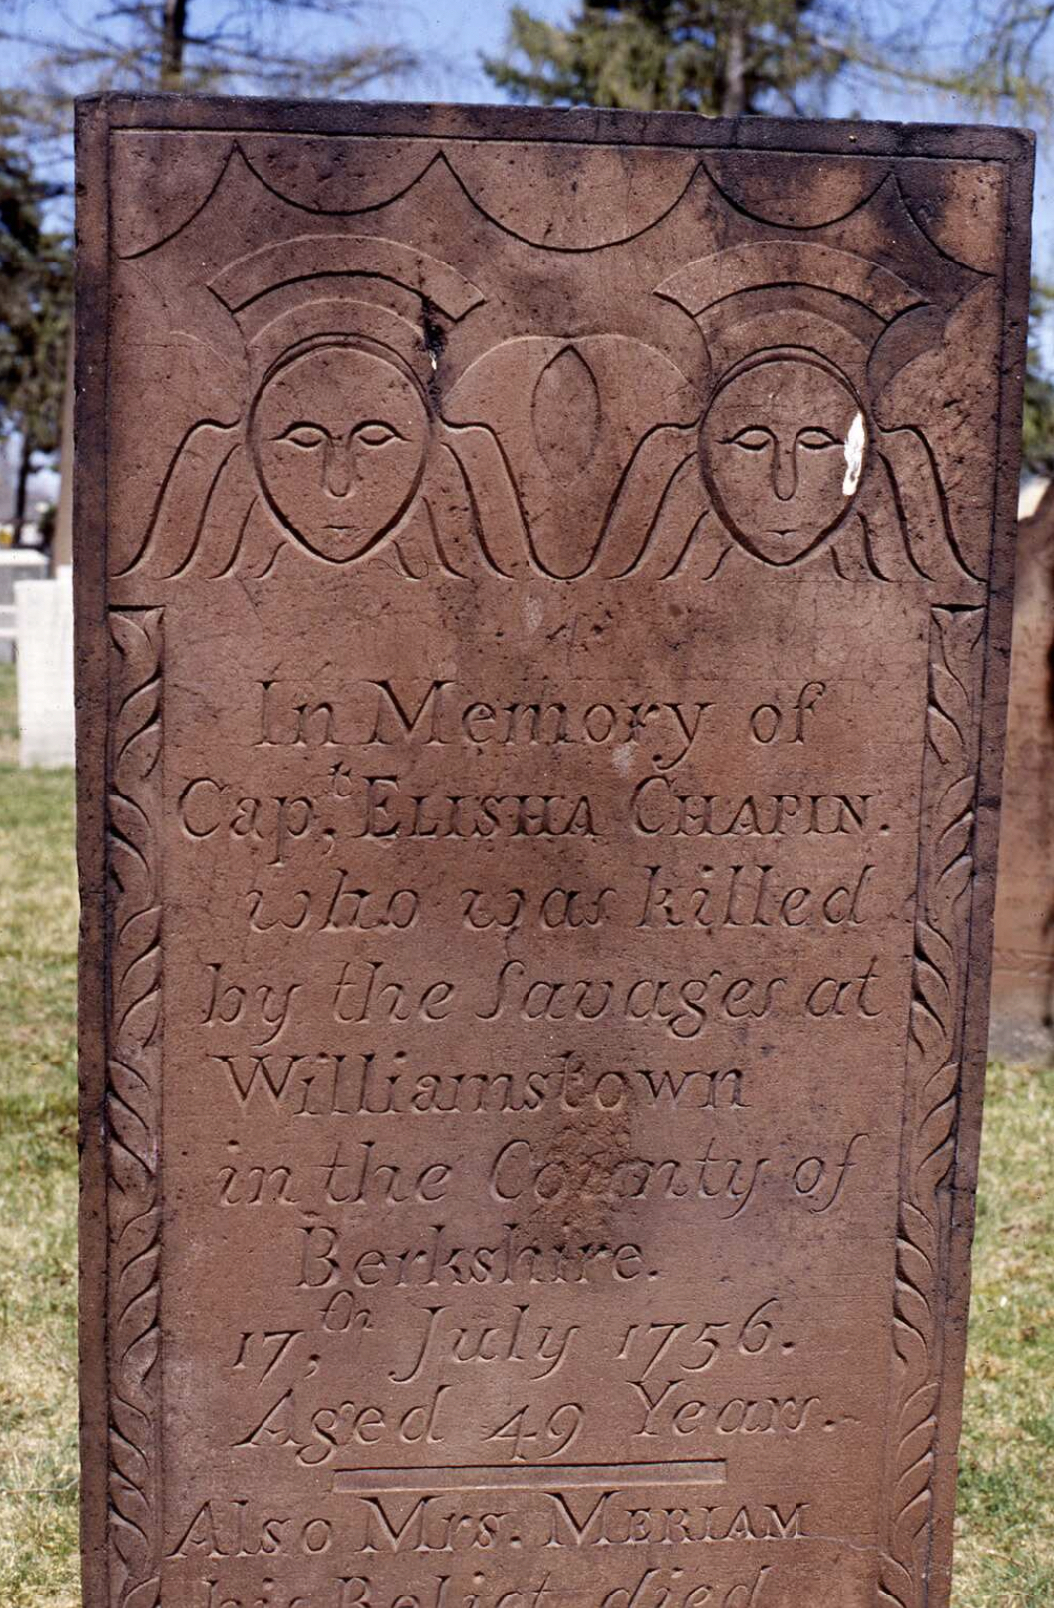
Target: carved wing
[(658, 519), (479, 522), (921, 506), (202, 509)]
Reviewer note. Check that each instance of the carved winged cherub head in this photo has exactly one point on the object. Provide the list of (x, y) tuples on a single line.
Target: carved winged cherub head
[(783, 445), (335, 448), (801, 450), (339, 432)]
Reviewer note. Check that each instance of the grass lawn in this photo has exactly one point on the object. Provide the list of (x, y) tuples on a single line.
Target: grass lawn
[(1005, 1552), (38, 1181)]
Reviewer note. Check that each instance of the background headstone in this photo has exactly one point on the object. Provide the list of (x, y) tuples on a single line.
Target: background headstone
[(1022, 1024), (44, 614), (543, 612), (16, 564)]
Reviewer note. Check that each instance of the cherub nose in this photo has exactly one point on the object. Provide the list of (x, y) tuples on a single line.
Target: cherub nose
[(784, 472), (338, 467)]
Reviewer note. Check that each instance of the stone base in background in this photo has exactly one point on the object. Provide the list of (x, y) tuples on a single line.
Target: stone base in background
[(1023, 963), (45, 670), (1020, 1028), (16, 564)]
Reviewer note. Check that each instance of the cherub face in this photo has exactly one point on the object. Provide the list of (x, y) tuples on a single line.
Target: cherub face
[(339, 437), (782, 448)]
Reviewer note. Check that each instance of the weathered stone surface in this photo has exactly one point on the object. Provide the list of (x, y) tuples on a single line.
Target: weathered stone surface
[(543, 605), (1022, 1024)]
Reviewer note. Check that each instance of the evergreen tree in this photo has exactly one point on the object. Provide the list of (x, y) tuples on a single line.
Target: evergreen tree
[(35, 297), (705, 56), (20, 199), (733, 56)]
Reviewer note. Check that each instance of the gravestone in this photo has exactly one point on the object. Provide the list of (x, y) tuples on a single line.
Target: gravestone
[(1022, 1026), (44, 635), (543, 606), (16, 564)]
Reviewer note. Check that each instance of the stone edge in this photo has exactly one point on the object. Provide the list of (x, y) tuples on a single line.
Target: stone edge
[(91, 652)]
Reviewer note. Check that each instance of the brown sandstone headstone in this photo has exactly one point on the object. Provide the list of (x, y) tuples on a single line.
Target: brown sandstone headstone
[(544, 604), (1022, 1025)]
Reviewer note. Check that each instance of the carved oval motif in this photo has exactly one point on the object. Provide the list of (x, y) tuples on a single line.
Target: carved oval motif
[(565, 415)]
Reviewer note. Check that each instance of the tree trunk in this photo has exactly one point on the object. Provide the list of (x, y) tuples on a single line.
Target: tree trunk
[(62, 538), (173, 40), (734, 100), (25, 465)]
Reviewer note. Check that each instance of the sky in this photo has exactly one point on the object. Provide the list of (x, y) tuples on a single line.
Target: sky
[(451, 35)]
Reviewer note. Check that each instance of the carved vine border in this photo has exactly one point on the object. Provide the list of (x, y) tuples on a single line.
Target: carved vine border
[(949, 785), (133, 1100), (133, 1106)]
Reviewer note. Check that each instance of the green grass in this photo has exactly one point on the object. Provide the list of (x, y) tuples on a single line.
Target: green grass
[(1005, 1551), (1005, 1548), (8, 718), (38, 1182)]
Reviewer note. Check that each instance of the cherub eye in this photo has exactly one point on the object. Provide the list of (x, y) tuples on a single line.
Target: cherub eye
[(817, 439), (375, 434), (303, 435), (752, 439)]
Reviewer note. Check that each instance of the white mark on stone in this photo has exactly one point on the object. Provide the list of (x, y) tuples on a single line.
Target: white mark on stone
[(532, 611), (622, 758), (854, 456)]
